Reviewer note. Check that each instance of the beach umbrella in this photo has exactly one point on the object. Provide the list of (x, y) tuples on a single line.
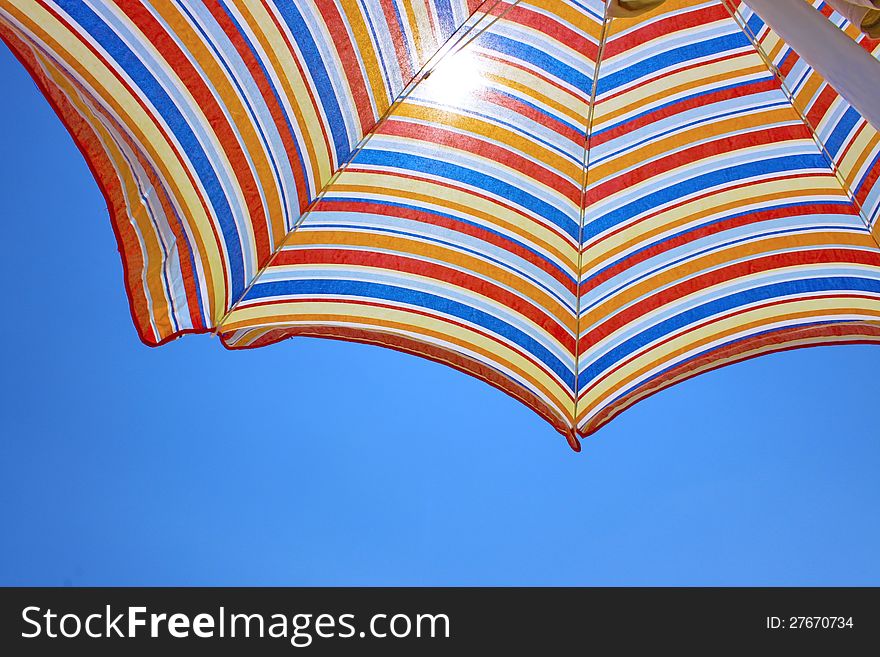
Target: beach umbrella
[(578, 209)]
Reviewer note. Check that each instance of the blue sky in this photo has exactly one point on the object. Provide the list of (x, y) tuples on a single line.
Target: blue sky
[(325, 463)]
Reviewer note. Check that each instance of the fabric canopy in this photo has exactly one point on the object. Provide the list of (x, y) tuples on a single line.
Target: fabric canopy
[(578, 211)]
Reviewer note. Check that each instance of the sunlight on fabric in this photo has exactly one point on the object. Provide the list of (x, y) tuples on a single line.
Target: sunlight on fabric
[(455, 77)]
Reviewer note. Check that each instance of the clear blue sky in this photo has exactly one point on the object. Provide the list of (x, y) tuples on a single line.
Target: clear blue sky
[(327, 463)]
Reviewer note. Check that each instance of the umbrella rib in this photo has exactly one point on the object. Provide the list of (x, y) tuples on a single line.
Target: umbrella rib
[(791, 99), (458, 40), (606, 28)]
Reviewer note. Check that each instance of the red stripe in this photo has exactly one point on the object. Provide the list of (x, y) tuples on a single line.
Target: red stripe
[(348, 54), (663, 26), (701, 101), (705, 230), (342, 257), (678, 158), (544, 24), (815, 256), (712, 320), (720, 190), (427, 217), (821, 104), (496, 154), (739, 352), (401, 47), (519, 108), (424, 312)]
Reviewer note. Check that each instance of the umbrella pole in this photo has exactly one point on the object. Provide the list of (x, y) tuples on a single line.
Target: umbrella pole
[(847, 67)]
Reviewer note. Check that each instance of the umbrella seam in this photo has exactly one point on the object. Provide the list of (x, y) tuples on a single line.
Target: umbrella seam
[(791, 99), (606, 28), (452, 45)]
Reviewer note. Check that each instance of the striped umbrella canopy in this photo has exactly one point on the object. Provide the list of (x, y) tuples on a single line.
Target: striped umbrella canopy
[(577, 209)]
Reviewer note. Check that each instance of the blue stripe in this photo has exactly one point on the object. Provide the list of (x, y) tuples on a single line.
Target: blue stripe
[(447, 19), (689, 53), (718, 306), (867, 179), (779, 101), (548, 118), (336, 288), (318, 72), (438, 168), (540, 59), (268, 80), (693, 255), (422, 210), (726, 219), (568, 303), (658, 197), (841, 131), (645, 383), (496, 119), (755, 24)]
